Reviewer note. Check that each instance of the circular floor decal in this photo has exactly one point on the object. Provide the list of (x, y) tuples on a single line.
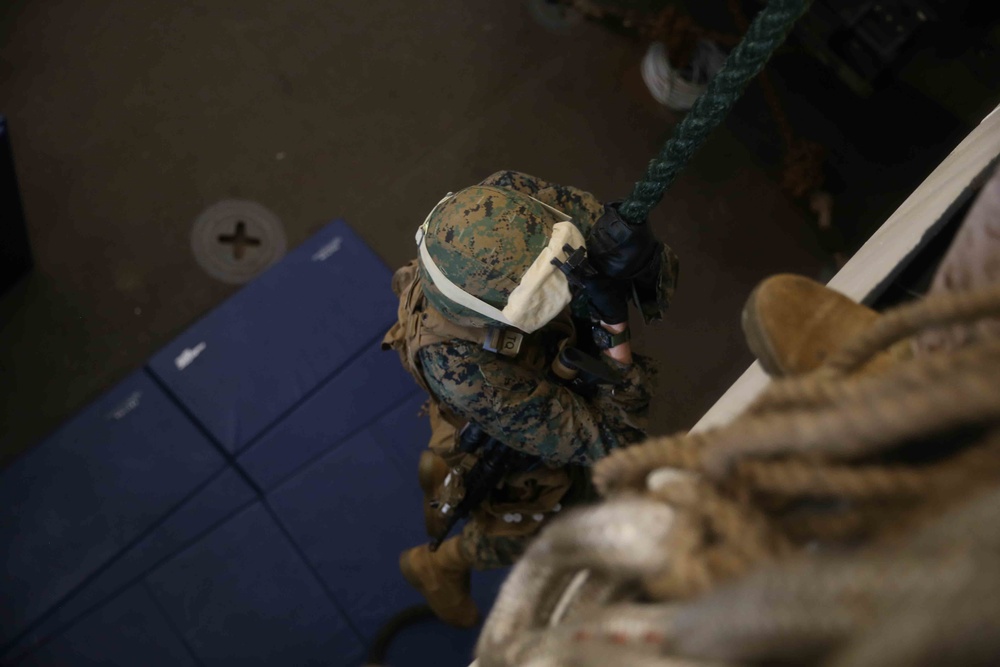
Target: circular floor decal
[(235, 240)]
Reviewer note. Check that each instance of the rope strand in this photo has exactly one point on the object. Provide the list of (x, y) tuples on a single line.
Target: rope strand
[(766, 33), (905, 321)]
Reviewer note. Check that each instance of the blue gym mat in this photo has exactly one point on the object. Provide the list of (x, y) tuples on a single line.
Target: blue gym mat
[(353, 512), (370, 386), (244, 596), (243, 500), (249, 361), (209, 506), (90, 491), (117, 634)]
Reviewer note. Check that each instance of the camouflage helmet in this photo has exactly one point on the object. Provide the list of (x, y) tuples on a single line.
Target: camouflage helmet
[(485, 256)]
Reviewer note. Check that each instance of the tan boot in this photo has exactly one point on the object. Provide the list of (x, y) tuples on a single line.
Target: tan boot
[(443, 578), (431, 472), (793, 323)]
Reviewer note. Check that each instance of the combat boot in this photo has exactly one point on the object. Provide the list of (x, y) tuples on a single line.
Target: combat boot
[(793, 323), (443, 578), (431, 473)]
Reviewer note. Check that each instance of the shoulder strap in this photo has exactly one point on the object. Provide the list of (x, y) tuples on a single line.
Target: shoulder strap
[(418, 324)]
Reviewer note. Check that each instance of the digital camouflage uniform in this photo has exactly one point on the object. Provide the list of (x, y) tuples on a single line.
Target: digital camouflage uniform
[(514, 399)]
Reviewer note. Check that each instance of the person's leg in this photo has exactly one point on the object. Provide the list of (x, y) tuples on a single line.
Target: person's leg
[(492, 543), (432, 469), (495, 536), (442, 577)]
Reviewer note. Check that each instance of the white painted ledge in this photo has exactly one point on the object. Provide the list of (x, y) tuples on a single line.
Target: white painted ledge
[(880, 257)]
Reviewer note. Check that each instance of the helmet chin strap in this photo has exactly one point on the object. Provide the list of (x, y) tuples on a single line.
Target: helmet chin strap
[(453, 292), (542, 292)]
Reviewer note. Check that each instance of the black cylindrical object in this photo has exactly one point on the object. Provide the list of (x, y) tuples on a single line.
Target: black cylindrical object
[(15, 252)]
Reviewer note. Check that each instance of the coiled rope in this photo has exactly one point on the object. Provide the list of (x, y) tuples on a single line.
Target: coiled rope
[(902, 466)]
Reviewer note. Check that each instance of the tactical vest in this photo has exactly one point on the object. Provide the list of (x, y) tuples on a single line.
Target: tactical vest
[(526, 498), (418, 325)]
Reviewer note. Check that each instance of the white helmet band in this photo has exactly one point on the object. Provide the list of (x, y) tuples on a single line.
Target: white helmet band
[(542, 292)]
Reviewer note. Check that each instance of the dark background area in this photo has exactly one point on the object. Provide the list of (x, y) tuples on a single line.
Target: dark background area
[(129, 119)]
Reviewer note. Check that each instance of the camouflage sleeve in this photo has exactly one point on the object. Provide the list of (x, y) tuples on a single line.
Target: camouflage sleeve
[(528, 412), (582, 206)]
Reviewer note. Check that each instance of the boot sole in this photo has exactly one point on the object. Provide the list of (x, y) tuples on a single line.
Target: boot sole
[(756, 339), (834, 320)]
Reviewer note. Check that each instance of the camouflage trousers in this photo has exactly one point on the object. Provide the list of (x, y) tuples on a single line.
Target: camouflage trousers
[(499, 530)]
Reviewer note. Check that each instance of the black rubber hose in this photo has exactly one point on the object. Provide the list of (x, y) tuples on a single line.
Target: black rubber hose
[(380, 645)]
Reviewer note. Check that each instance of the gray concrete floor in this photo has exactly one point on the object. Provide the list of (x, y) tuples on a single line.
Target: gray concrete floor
[(128, 119)]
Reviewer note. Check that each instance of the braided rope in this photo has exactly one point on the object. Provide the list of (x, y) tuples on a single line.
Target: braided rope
[(766, 33), (908, 399), (800, 478), (804, 479), (920, 398), (905, 321)]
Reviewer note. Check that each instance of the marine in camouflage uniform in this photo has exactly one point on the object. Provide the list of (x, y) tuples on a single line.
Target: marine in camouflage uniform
[(513, 399)]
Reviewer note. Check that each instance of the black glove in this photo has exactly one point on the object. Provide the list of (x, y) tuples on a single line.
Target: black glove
[(619, 250), (608, 298)]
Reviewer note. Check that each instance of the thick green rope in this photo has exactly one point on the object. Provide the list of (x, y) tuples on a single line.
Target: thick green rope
[(766, 33)]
